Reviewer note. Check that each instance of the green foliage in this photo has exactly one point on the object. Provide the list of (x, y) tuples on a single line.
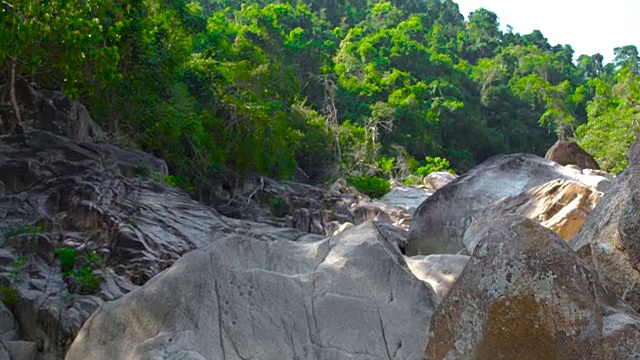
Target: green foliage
[(67, 258), (86, 280), (412, 180), (356, 148), (316, 149), (387, 165), (17, 267), (179, 181), (80, 268), (412, 164), (372, 186), (221, 88), (142, 170), (614, 120), (23, 229), (433, 164), (68, 44), (278, 207), (9, 294)]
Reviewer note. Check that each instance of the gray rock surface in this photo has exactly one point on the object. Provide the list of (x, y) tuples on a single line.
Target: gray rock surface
[(440, 271), (61, 193), (50, 110), (525, 294), (347, 297), (11, 348), (610, 237), (439, 224), (407, 197), (438, 179), (559, 205)]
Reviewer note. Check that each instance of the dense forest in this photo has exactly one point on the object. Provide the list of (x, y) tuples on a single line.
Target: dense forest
[(219, 88)]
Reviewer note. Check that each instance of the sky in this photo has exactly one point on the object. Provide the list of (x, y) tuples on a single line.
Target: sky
[(590, 27)]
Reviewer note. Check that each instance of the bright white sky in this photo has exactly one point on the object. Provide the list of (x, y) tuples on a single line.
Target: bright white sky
[(589, 26)]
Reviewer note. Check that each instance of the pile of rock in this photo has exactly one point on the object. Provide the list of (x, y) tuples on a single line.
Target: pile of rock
[(523, 183), (317, 211)]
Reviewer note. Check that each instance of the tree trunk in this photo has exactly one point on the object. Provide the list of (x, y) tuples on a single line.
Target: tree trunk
[(331, 120), (13, 125)]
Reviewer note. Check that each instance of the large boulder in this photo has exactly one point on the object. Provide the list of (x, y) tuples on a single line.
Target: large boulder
[(610, 238), (525, 294), (439, 224), (560, 205), (347, 297), (570, 153), (438, 179)]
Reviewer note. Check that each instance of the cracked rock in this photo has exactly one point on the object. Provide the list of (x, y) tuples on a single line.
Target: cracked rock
[(351, 296), (524, 294)]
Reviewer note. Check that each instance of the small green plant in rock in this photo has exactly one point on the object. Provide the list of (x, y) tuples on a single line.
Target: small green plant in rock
[(23, 229), (179, 181), (433, 164), (371, 186), (17, 268), (142, 170), (80, 269), (92, 259), (412, 180), (67, 258), (387, 165), (69, 298), (157, 176), (9, 294), (86, 280), (278, 207)]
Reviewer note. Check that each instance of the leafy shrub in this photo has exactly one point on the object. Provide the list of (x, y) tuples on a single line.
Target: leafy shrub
[(9, 294), (67, 258), (179, 181), (374, 186), (386, 165), (278, 207), (354, 144), (433, 165), (81, 271), (142, 170), (86, 280), (316, 150), (412, 180)]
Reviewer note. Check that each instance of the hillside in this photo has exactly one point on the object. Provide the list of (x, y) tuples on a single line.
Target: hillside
[(219, 88)]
